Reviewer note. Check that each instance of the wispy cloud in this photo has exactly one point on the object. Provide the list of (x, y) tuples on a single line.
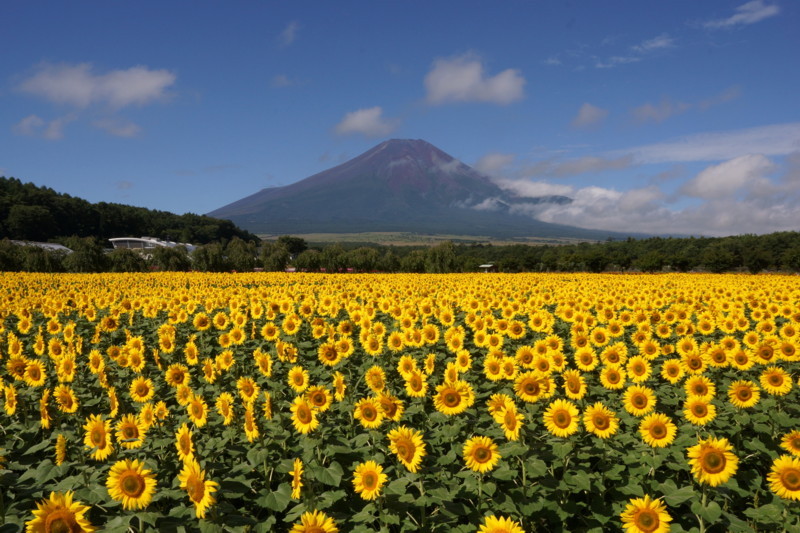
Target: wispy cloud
[(35, 126), (281, 80), (745, 14), (637, 52), (493, 163), (775, 139), (289, 33), (580, 165), (117, 127), (666, 108), (369, 122), (462, 79), (589, 116), (79, 86)]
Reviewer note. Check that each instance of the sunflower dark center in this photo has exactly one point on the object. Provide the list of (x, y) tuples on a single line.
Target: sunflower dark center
[(713, 462)]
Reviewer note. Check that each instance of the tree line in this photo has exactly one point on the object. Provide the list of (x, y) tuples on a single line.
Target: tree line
[(750, 253), (32, 213)]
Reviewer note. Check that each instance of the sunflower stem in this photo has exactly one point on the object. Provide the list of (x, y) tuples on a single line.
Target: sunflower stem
[(703, 503)]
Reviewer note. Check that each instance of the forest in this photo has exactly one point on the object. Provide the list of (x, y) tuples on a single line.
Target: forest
[(776, 252), (32, 213)]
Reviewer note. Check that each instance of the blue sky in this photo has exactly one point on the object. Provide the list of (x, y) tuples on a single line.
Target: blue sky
[(678, 116)]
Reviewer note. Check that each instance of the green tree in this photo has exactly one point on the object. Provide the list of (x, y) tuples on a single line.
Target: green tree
[(308, 261), (87, 255), (274, 256), (413, 262), (125, 260), (171, 258), (30, 222), (294, 245), (210, 258), (441, 258), (241, 254), (333, 258)]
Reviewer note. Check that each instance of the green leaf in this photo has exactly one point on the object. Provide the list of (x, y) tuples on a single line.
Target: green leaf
[(678, 496), (766, 514), (396, 487), (512, 449), (279, 499), (331, 475), (367, 514)]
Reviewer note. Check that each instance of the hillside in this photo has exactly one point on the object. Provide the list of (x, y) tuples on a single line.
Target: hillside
[(30, 212)]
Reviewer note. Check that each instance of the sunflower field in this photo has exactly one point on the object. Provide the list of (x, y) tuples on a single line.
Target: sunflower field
[(459, 402)]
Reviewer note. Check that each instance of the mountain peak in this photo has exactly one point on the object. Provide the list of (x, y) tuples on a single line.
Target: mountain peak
[(406, 185)]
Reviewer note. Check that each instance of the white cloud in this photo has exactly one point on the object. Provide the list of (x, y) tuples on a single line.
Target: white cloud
[(729, 177), (55, 129), (462, 79), (588, 116), (656, 43), (79, 86), (493, 163), (775, 139), (35, 126), (289, 33), (28, 126), (613, 61), (368, 122), (281, 80), (117, 127), (665, 109), (748, 13)]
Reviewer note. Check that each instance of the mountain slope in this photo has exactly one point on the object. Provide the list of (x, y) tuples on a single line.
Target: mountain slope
[(399, 185)]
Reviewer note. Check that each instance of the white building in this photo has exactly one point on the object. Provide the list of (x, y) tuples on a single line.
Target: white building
[(147, 243)]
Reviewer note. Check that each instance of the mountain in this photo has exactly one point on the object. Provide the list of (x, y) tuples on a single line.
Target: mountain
[(399, 185)]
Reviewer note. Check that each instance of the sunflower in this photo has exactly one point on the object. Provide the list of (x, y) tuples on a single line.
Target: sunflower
[(497, 402), (744, 393), (453, 398), (315, 522), (177, 374), (304, 417), (700, 386), (391, 406), (193, 481), (784, 478), (130, 432), (657, 430), (600, 420), (368, 411), (775, 381), (10, 395), (645, 515), (638, 369), (791, 442), (339, 386), (61, 449), (493, 524), (35, 373), (585, 359), (672, 371), (250, 426), (699, 411), (131, 483), (197, 410), (368, 479), (561, 418), (141, 389), (612, 377), (224, 406), (320, 397), (66, 399), (298, 378), (481, 454), (248, 389), (97, 437), (712, 461), (297, 478), (59, 513), (209, 371), (510, 420), (44, 413), (183, 442), (639, 400), (408, 446), (574, 384), (529, 386), (375, 378)]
